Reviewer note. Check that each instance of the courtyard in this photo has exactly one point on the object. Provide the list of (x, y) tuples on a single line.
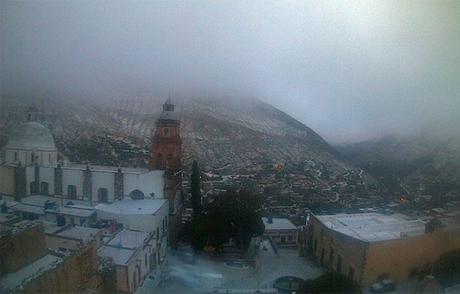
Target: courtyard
[(186, 273)]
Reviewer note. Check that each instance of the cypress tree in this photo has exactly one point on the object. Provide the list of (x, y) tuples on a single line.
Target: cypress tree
[(195, 185)]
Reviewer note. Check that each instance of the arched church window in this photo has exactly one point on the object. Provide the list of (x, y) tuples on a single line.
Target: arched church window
[(136, 195), (72, 191), (102, 195), (44, 188), (33, 188)]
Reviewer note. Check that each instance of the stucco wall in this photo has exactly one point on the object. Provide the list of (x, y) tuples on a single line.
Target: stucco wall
[(351, 251), (72, 177), (105, 180), (47, 175), (7, 180), (142, 222), (398, 257), (76, 273), (18, 250), (150, 182)]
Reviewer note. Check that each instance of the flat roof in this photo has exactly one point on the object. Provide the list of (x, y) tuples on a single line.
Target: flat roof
[(278, 224), (8, 217), (40, 200), (119, 255), (129, 206), (28, 208), (75, 232), (14, 281), (72, 211), (129, 239), (112, 169), (373, 227)]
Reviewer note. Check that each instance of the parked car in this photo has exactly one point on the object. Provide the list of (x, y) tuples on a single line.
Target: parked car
[(383, 286)]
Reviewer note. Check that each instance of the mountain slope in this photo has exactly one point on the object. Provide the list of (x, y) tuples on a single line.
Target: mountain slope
[(230, 135), (245, 143), (424, 164)]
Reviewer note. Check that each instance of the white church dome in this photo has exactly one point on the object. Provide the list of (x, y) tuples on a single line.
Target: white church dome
[(31, 136)]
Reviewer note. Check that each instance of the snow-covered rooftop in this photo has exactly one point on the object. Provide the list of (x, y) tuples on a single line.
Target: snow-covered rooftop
[(129, 239), (119, 255), (40, 200), (278, 224), (8, 218), (13, 281), (128, 206), (72, 211), (28, 208), (112, 169), (76, 232), (373, 227)]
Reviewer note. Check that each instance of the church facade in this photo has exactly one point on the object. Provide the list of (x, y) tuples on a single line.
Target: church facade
[(32, 165)]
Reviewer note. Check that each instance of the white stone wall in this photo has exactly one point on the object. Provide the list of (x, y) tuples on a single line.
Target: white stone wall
[(47, 175), (150, 182), (141, 222), (30, 177), (25, 156), (103, 179), (72, 177), (6, 180)]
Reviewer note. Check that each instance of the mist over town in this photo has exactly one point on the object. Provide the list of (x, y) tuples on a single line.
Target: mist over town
[(229, 147)]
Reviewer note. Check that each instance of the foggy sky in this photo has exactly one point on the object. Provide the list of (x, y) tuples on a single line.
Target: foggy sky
[(350, 70)]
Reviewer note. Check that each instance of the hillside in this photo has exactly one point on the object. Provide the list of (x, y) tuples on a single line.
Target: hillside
[(237, 143), (222, 135), (423, 164)]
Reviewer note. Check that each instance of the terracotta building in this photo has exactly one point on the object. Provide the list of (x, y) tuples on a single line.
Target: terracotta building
[(367, 247), (28, 266), (166, 154)]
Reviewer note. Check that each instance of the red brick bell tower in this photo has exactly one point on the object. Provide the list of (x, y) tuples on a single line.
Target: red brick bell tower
[(166, 155), (166, 142)]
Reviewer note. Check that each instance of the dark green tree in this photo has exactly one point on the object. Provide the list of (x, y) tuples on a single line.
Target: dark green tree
[(198, 223), (195, 186), (232, 215), (447, 268)]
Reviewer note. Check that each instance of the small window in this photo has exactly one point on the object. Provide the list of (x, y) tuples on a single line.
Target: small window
[(72, 191), (166, 131), (102, 195), (15, 156), (34, 188), (44, 188)]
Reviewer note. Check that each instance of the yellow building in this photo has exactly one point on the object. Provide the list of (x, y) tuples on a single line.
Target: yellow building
[(369, 246)]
